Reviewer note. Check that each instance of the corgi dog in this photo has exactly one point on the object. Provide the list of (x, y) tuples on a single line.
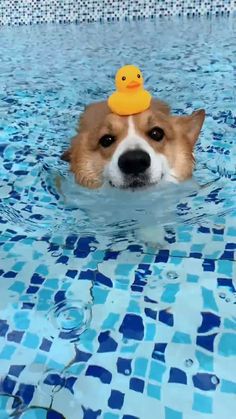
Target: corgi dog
[(132, 152)]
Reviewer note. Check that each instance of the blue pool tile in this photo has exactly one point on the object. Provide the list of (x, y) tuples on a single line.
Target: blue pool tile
[(231, 231), (227, 344), (208, 265), (209, 302), (134, 307), (124, 366), (123, 270), (116, 399), (31, 340), (109, 255), (52, 283), (18, 237), (202, 403), (81, 356), (205, 361), (229, 324), (226, 282), (10, 274), (59, 296), (53, 379), (150, 332), (209, 322), (228, 387), (227, 254), (159, 351), (169, 293), (104, 280), (225, 268), (63, 259), (45, 345), (106, 342), (162, 256), (136, 384), (69, 383), (154, 391), (203, 229), (172, 414), (42, 270), (205, 382), (110, 321), (157, 371), (207, 341), (3, 328), (88, 336), (103, 374), (196, 255), (32, 290), (100, 295), (37, 279), (15, 336), (17, 287), (127, 349), (151, 313), (180, 337), (40, 359), (25, 392), (140, 367), (15, 370), (166, 317), (177, 376), (132, 327), (7, 352), (7, 385)]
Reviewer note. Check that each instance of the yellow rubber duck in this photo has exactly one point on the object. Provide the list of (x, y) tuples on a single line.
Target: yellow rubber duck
[(130, 97)]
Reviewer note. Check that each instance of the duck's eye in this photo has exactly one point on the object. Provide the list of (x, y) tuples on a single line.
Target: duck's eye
[(107, 140), (156, 134), (123, 78), (138, 76)]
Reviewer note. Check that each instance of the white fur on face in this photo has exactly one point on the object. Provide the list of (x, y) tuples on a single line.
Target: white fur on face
[(159, 169)]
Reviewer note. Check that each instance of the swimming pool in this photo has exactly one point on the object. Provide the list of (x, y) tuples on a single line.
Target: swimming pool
[(95, 321)]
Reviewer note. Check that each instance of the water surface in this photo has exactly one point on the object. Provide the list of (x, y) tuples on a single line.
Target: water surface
[(112, 310)]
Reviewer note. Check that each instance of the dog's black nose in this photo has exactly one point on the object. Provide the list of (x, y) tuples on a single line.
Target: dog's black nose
[(134, 162)]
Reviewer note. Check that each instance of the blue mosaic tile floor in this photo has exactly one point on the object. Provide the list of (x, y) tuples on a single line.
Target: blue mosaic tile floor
[(105, 311)]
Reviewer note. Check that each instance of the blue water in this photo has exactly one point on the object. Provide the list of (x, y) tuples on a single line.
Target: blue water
[(116, 304)]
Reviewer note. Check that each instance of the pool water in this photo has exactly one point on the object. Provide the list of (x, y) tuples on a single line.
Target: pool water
[(116, 304)]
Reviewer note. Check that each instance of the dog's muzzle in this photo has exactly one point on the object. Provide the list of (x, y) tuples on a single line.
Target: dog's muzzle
[(134, 162), (134, 165)]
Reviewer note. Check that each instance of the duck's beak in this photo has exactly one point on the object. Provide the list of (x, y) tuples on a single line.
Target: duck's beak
[(133, 85)]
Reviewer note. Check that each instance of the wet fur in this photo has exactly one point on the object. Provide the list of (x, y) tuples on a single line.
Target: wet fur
[(88, 159)]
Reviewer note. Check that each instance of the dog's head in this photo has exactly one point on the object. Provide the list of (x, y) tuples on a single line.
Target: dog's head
[(135, 151)]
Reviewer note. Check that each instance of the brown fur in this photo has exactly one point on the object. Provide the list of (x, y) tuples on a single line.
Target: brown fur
[(88, 159)]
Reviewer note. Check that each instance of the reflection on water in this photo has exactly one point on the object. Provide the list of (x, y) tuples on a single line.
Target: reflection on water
[(39, 109), (10, 406), (71, 318), (57, 203)]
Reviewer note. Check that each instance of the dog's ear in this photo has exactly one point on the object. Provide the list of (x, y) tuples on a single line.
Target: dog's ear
[(159, 106), (190, 125), (66, 156)]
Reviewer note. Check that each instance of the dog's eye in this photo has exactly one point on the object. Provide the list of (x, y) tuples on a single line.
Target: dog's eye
[(138, 76), (106, 140), (156, 134), (123, 78)]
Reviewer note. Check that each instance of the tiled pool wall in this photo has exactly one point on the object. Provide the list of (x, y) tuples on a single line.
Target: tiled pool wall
[(19, 12)]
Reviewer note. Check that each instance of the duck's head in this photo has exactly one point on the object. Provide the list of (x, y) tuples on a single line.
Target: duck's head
[(129, 79)]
